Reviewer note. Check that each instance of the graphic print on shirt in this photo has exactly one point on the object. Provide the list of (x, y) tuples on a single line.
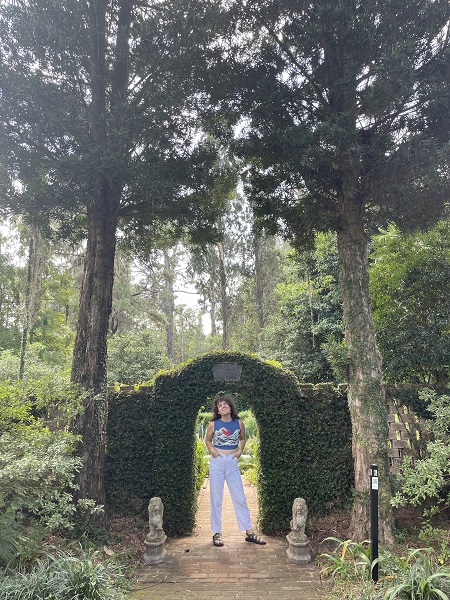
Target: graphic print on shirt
[(225, 437)]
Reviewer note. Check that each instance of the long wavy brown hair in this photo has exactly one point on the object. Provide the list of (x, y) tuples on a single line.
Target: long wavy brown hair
[(229, 399)]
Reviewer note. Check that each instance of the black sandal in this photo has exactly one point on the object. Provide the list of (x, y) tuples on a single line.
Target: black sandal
[(218, 540), (255, 539)]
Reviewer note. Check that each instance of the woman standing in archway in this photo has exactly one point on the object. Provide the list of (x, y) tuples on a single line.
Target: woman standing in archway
[(225, 439)]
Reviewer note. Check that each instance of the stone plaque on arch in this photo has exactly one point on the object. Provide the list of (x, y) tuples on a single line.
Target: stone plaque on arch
[(227, 371)]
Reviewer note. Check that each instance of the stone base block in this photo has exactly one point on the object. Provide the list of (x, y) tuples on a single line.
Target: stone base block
[(298, 551), (154, 552)]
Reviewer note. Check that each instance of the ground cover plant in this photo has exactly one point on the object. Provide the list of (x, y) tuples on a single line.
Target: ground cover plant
[(60, 575), (406, 571)]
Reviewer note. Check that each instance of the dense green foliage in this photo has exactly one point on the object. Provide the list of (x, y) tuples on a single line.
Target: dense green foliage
[(38, 464), (309, 313), (39, 503), (9, 293), (64, 577), (300, 453), (201, 464), (409, 279), (339, 113), (135, 357)]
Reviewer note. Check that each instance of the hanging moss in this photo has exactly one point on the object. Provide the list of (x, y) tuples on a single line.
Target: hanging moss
[(305, 441)]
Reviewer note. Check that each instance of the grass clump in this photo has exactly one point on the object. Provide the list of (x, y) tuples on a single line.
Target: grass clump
[(63, 577), (415, 576)]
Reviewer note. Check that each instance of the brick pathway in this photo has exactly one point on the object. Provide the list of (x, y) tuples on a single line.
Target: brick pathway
[(194, 568)]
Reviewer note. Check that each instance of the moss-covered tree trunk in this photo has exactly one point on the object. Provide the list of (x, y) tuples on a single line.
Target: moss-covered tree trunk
[(365, 387)]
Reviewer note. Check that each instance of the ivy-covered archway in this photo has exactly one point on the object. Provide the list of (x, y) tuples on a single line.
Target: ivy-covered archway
[(305, 441)]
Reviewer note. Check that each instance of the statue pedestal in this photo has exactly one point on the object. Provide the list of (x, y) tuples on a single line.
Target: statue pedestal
[(154, 551), (298, 551)]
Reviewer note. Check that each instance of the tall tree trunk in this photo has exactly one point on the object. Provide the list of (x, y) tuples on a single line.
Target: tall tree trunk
[(212, 317), (365, 388), (89, 355), (37, 255), (259, 280), (27, 311), (169, 302), (224, 299)]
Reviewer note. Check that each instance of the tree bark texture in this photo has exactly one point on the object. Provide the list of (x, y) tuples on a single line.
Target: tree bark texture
[(89, 356), (169, 303), (365, 388), (259, 281), (90, 350), (224, 301)]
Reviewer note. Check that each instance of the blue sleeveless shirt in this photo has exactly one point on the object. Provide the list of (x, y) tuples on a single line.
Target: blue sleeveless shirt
[(226, 434)]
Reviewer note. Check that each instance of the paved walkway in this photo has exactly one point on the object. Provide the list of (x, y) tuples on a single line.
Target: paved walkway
[(194, 568)]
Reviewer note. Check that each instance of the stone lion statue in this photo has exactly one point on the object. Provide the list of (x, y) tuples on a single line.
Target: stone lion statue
[(299, 516), (155, 520)]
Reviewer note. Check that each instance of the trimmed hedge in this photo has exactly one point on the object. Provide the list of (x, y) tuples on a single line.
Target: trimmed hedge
[(305, 441)]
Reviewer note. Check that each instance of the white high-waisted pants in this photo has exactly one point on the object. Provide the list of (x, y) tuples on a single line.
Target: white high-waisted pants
[(226, 468)]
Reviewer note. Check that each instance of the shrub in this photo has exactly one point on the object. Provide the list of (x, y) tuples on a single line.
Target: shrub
[(135, 357), (203, 419), (38, 364), (37, 472), (201, 464), (250, 424), (417, 576), (50, 401), (350, 560), (65, 577), (249, 462)]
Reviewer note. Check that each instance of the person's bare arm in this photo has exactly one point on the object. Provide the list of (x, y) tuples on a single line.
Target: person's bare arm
[(208, 440), (242, 440)]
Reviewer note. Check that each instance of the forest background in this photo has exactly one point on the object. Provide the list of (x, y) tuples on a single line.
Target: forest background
[(279, 304)]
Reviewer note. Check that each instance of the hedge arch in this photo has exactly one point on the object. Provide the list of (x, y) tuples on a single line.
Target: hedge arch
[(305, 441)]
